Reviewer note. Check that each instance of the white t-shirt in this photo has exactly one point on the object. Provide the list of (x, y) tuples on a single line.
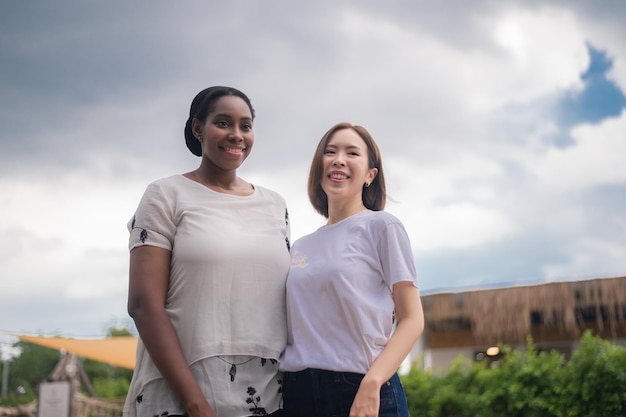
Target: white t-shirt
[(339, 292), (226, 294)]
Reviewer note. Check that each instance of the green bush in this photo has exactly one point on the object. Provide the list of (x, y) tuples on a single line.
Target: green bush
[(108, 381), (111, 387), (526, 384), (596, 380)]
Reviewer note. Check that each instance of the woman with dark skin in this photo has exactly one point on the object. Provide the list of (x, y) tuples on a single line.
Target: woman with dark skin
[(208, 263)]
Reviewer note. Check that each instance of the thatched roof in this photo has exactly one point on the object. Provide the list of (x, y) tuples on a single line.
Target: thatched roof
[(507, 314)]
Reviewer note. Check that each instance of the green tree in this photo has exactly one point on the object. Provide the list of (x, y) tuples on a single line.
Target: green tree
[(32, 366), (118, 331)]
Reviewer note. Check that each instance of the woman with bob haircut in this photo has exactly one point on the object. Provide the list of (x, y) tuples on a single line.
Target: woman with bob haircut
[(353, 305), (209, 255)]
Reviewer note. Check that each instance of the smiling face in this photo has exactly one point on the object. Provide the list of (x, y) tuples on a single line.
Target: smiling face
[(226, 135), (346, 167)]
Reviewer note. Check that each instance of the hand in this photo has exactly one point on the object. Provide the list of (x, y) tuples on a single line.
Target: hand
[(203, 409), (367, 400)]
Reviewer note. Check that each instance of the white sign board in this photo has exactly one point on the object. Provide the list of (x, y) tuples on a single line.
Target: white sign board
[(55, 399)]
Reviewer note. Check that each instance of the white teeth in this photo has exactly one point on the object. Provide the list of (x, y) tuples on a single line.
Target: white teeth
[(338, 176), (233, 149)]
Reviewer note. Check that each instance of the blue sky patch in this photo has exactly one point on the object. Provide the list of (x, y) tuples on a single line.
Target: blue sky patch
[(600, 98)]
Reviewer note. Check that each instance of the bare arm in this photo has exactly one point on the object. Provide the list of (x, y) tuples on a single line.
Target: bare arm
[(408, 306), (148, 283)]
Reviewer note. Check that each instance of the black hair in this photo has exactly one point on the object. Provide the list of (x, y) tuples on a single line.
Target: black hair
[(202, 105)]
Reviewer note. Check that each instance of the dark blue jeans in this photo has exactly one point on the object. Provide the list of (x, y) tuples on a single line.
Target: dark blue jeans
[(320, 393)]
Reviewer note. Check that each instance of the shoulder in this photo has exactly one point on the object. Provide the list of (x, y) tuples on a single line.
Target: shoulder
[(173, 181), (169, 186), (271, 195), (381, 218), (162, 194), (385, 225)]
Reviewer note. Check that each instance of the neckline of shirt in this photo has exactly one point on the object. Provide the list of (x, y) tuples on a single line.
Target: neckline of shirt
[(254, 193), (343, 221)]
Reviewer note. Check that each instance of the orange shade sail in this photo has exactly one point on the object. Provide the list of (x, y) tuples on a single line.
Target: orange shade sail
[(118, 351)]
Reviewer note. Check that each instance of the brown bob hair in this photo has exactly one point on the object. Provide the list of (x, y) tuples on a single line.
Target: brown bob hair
[(374, 196)]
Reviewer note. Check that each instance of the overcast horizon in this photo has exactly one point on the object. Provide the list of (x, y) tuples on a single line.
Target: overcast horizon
[(501, 126)]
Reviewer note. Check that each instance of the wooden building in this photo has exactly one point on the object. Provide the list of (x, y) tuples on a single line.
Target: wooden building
[(554, 314)]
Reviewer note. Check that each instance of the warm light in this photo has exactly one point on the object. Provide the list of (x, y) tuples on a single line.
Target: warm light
[(493, 351)]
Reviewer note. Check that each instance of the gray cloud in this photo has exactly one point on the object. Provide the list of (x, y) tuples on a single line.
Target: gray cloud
[(95, 97)]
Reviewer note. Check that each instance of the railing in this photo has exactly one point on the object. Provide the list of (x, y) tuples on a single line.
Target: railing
[(26, 410), (82, 406), (96, 407)]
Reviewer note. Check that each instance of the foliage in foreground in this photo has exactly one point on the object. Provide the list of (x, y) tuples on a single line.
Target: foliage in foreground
[(527, 384)]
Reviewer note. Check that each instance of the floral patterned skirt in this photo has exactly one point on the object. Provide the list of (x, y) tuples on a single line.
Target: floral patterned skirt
[(234, 385)]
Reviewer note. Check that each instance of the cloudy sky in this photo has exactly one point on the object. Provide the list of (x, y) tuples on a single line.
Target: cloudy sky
[(502, 127)]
